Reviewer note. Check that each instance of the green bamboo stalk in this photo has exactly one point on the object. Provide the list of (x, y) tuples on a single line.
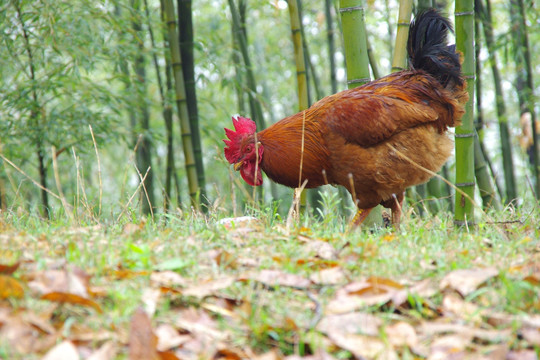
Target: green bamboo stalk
[(424, 5), (508, 162), (254, 104), (185, 28), (35, 118), (168, 119), (301, 72), (479, 109), (524, 82), (487, 184), (144, 150), (399, 60), (331, 45), (464, 210), (354, 40), (357, 61), (181, 103), (299, 57)]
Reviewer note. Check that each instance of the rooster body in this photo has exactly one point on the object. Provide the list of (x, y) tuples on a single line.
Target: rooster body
[(367, 138)]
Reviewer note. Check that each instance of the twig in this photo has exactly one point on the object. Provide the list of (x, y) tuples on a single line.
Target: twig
[(318, 312), (434, 174), (256, 168), (144, 188), (99, 170), (29, 178), (132, 196), (80, 182)]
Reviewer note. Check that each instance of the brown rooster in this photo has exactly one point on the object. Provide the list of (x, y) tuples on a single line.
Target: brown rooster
[(370, 139)]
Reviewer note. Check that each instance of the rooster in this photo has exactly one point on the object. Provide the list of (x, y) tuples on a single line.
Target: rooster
[(376, 140)]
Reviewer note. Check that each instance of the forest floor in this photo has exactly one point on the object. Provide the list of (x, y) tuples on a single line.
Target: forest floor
[(205, 288)]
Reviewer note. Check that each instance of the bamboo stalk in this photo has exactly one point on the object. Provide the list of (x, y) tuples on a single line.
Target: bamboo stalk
[(399, 60), (144, 151), (354, 40), (301, 77), (167, 112), (524, 83), (181, 103), (299, 57), (331, 45), (185, 28), (508, 162), (34, 115), (424, 5), (464, 143), (254, 104), (487, 182), (357, 62)]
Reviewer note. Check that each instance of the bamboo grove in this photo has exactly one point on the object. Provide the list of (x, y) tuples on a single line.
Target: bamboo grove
[(118, 108)]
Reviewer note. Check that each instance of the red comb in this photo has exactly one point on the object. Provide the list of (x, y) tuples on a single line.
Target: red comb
[(242, 126)]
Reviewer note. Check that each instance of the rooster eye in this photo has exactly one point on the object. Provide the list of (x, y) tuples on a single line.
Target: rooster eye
[(248, 148)]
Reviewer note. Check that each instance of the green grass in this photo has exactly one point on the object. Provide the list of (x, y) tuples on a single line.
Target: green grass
[(255, 317)]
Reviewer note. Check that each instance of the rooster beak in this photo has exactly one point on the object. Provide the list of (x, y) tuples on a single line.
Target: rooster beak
[(238, 165)]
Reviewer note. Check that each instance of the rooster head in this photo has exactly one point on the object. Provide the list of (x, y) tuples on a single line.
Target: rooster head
[(241, 150)]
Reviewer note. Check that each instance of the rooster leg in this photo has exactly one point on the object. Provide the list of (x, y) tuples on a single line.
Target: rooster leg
[(360, 216)]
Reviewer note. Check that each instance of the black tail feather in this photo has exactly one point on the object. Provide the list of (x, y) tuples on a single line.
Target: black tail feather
[(429, 50)]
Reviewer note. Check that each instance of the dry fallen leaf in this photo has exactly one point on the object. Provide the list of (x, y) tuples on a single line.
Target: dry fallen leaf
[(9, 269), (10, 287), (22, 336), (142, 341), (353, 323), (331, 276), (200, 324), (107, 351), (207, 288), (532, 335), (169, 337), (401, 334), (368, 292), (63, 351), (167, 278), (273, 278), (454, 305), (71, 299), (449, 346), (440, 327), (522, 355), (362, 346), (322, 249), (467, 281)]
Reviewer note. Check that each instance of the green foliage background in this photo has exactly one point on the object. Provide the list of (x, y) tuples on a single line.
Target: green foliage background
[(81, 50)]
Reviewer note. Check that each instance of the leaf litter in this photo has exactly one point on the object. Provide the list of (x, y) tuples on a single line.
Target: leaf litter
[(257, 299)]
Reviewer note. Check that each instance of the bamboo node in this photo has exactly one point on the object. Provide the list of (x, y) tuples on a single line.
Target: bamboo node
[(351, 8), (463, 184), (356, 81), (467, 135), (463, 13)]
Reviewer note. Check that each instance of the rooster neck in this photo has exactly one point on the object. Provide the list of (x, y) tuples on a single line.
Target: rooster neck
[(283, 157)]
